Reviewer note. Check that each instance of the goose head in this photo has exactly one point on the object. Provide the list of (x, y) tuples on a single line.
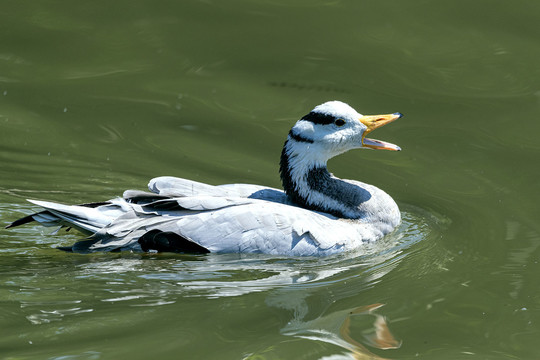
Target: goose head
[(334, 127)]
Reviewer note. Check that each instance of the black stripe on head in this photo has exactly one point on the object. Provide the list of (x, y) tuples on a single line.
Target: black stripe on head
[(318, 118), (299, 138)]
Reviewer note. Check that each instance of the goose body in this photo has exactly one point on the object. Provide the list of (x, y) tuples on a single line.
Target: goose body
[(316, 213)]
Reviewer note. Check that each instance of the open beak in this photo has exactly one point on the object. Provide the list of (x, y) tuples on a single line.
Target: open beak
[(373, 122)]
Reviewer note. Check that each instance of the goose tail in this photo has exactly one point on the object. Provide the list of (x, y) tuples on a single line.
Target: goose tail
[(87, 218)]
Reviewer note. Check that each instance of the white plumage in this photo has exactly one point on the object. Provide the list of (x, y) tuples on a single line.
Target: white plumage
[(317, 214)]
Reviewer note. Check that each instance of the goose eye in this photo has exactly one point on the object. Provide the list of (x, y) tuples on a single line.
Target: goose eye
[(339, 122)]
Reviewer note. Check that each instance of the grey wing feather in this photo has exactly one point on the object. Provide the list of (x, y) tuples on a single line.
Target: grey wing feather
[(177, 187), (85, 219), (230, 225), (174, 187), (263, 227)]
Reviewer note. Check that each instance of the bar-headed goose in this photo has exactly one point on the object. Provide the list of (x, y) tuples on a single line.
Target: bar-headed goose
[(317, 214)]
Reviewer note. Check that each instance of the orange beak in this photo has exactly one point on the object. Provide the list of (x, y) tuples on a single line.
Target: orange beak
[(373, 122)]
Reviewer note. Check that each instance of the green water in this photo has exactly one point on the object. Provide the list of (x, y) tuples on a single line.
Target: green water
[(98, 97)]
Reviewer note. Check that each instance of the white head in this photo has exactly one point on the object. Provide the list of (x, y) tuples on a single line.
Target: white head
[(334, 127)]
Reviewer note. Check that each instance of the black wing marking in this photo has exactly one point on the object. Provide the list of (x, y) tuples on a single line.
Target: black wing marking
[(167, 241)]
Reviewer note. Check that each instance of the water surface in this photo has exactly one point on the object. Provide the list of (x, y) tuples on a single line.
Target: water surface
[(97, 98)]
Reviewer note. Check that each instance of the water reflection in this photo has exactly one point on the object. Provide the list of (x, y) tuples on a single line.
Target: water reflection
[(337, 328)]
